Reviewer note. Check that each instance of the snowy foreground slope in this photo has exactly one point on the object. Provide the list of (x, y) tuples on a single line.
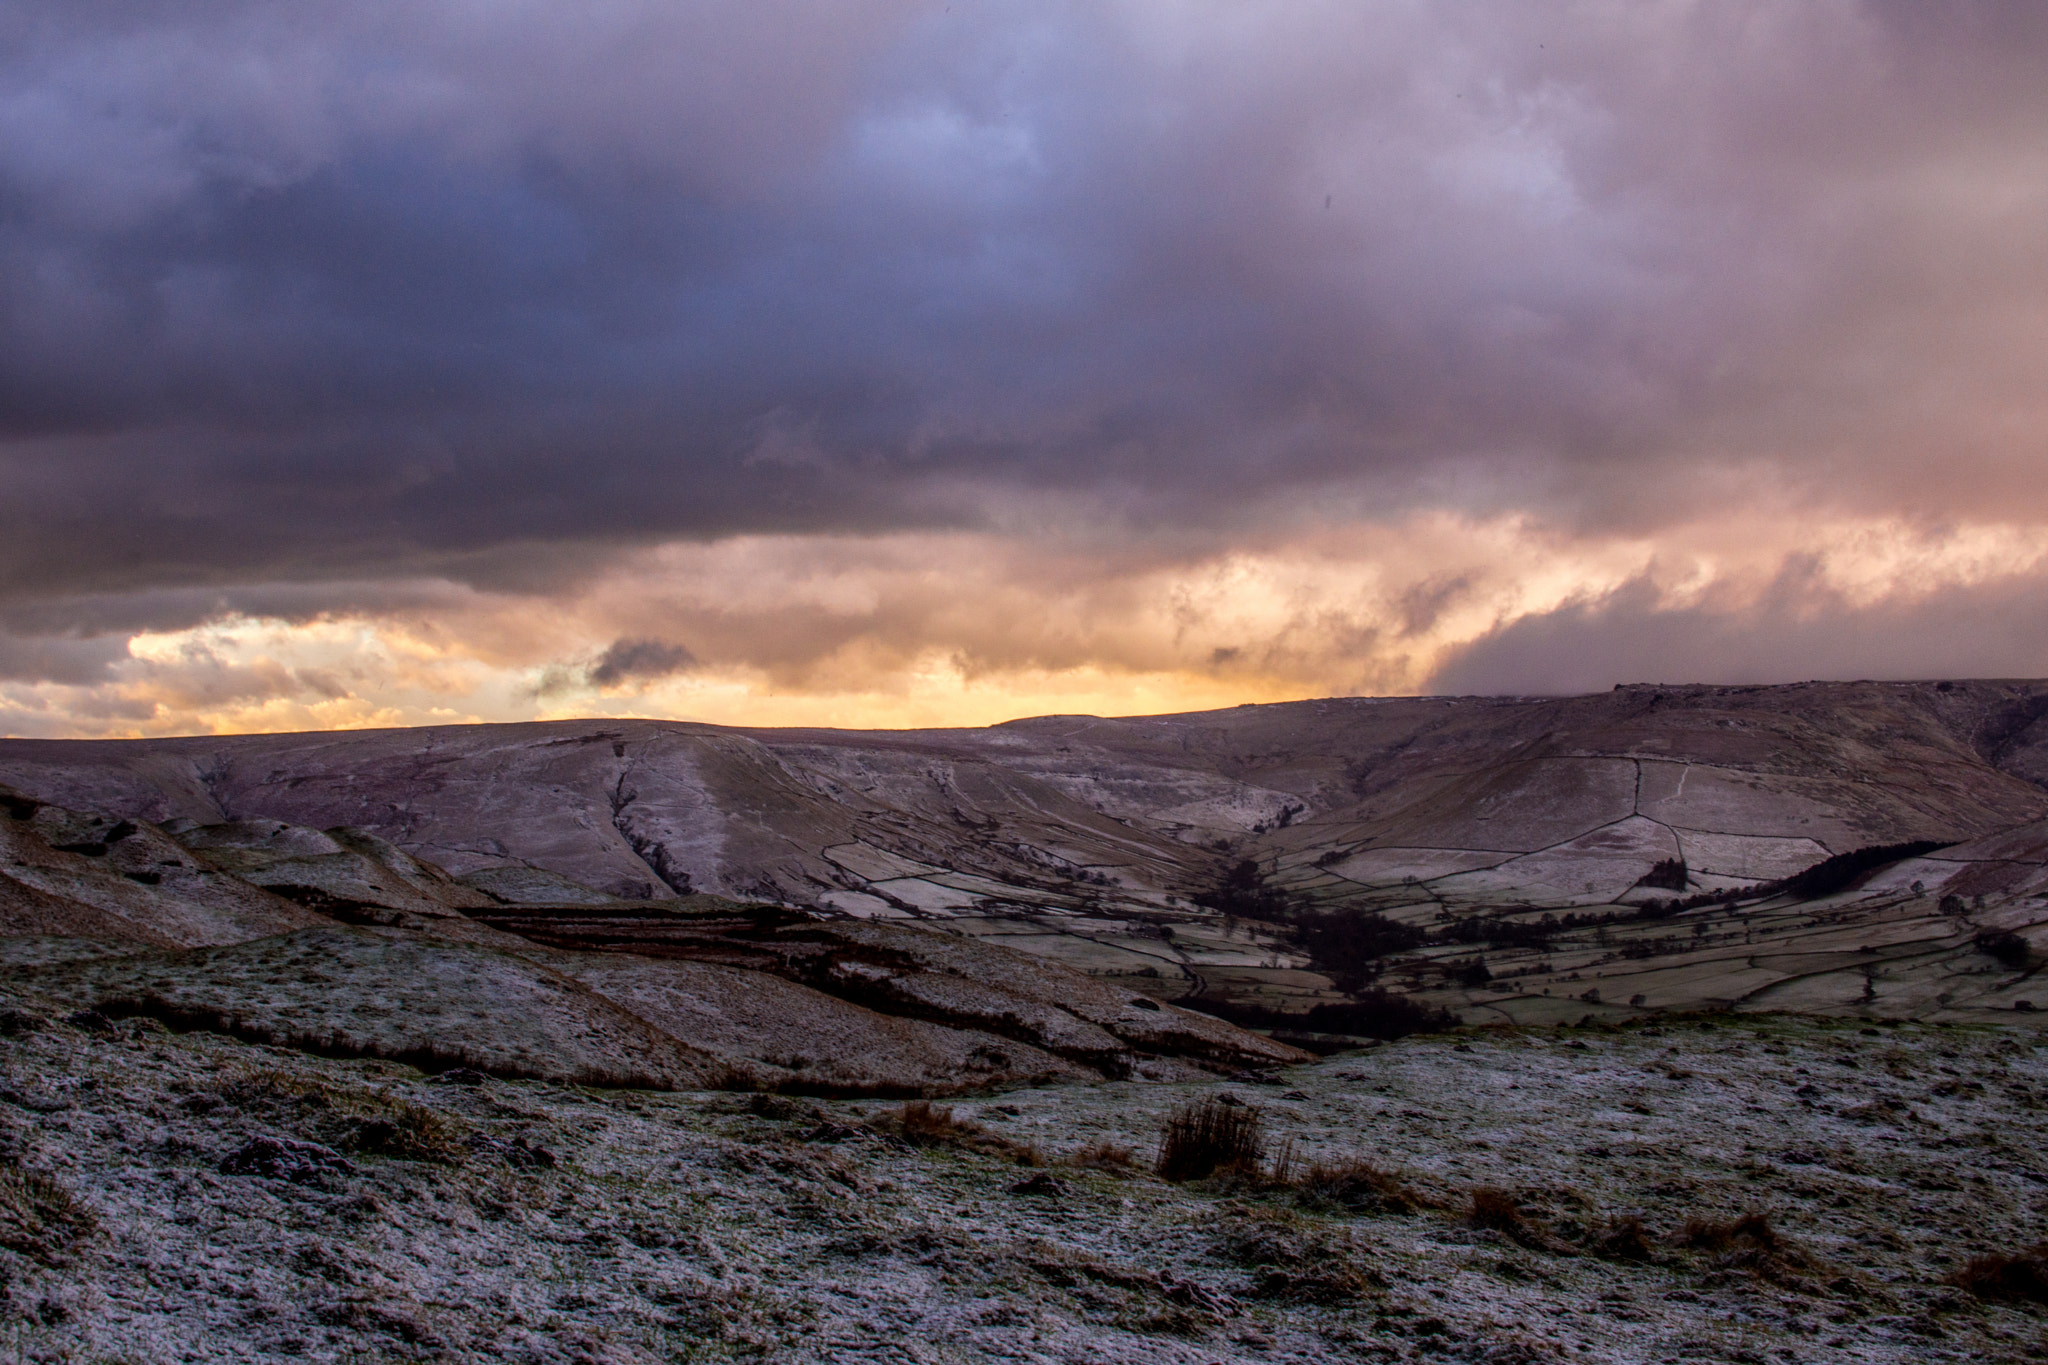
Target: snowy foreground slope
[(200, 1199)]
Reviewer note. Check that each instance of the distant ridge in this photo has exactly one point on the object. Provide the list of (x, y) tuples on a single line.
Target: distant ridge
[(1089, 838)]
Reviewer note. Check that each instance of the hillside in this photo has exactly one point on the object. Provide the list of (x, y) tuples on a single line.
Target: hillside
[(1090, 840)]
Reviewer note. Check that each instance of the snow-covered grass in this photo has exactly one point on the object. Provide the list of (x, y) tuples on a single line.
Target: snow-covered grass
[(546, 1222)]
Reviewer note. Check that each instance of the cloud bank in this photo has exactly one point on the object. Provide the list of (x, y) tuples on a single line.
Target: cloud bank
[(897, 361)]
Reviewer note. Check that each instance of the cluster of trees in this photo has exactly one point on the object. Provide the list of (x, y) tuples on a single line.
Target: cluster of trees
[(1244, 893), (1373, 1013), (1824, 878), (1668, 874), (2006, 947)]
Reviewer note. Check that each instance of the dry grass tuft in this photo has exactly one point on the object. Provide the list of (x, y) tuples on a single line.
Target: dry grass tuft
[(1102, 1155), (1357, 1186), (38, 1216), (1624, 1239), (1294, 1259), (1209, 1136), (1752, 1231), (1997, 1276), (923, 1124), (1501, 1211), (355, 1118), (412, 1133), (1751, 1244), (1495, 1208)]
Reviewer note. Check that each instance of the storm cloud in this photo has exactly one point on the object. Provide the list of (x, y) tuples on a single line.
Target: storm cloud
[(317, 311), (634, 660)]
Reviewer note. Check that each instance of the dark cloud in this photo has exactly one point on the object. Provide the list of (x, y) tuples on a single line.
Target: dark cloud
[(335, 294), (639, 661), (1799, 632), (60, 659)]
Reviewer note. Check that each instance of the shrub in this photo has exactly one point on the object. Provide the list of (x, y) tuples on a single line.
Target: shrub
[(1824, 878), (1380, 1014), (1995, 1276), (1211, 1135), (1377, 1013), (1471, 974), (1242, 893), (1833, 874), (1501, 932)]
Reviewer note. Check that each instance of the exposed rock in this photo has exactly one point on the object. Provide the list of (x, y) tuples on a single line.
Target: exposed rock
[(82, 875), (342, 873), (275, 1158)]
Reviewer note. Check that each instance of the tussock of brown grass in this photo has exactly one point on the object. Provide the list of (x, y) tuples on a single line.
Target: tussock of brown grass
[(1998, 1276), (1751, 1244), (1752, 1230), (1203, 1138), (1294, 1259), (356, 1118), (1357, 1186), (38, 1216), (920, 1120), (1152, 1303), (1102, 1155), (413, 1133), (1624, 1239), (1497, 1209), (924, 1124)]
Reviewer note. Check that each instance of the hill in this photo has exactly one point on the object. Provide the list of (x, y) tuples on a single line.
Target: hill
[(1110, 845)]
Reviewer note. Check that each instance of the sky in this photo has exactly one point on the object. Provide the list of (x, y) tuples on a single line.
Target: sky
[(879, 363)]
